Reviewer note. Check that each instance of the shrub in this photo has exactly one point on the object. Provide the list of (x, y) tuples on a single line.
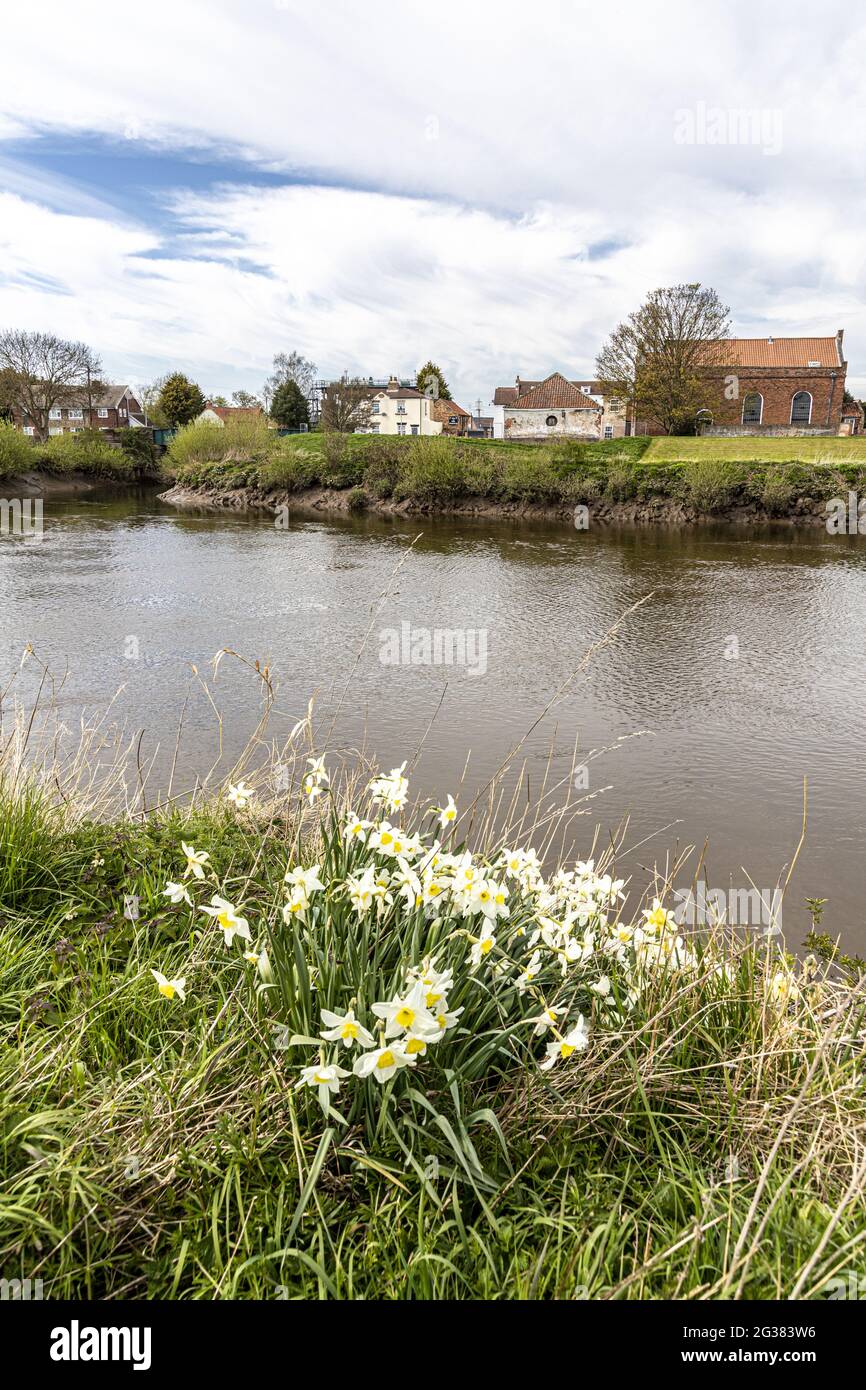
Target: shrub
[(434, 470), (777, 492), (710, 483), (357, 500), (240, 441), (16, 451), (85, 452), (621, 483)]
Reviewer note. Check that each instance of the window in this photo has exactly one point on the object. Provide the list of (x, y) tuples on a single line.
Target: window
[(56, 413), (801, 408), (55, 431), (585, 390), (550, 421), (452, 419), (102, 413), (614, 403), (401, 409), (753, 408), (401, 427), (414, 429), (75, 412), (29, 429), (122, 412), (374, 408), (608, 431), (374, 428)]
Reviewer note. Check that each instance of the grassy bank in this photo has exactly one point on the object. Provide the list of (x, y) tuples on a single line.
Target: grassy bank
[(694, 474), (87, 453), (688, 1124)]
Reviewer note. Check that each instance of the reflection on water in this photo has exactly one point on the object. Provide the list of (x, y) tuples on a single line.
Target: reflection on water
[(745, 667)]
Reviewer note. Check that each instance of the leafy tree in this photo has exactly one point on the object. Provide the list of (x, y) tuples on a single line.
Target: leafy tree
[(217, 400), (42, 371), (245, 400), (289, 406), (667, 357), (431, 382), (346, 405), (180, 400)]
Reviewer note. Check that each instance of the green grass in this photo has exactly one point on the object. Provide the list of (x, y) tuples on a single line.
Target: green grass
[(153, 1149), (825, 450)]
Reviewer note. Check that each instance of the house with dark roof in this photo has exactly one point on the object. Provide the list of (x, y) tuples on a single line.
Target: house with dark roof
[(556, 408), (112, 407)]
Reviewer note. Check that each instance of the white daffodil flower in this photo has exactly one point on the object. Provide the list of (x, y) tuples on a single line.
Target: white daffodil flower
[(545, 1020), (384, 1062), (240, 795), (481, 948), (346, 1029), (226, 917), (407, 1015), (177, 893), (326, 1080), (447, 814), (306, 879), (355, 829), (574, 1041), (195, 860), (170, 988)]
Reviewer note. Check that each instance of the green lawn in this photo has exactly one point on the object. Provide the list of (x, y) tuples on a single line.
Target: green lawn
[(758, 450)]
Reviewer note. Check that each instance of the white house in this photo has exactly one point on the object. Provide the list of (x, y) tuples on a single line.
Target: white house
[(399, 409)]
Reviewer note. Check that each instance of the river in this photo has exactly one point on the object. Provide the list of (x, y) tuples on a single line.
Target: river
[(741, 674)]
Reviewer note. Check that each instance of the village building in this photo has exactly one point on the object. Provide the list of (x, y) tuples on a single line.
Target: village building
[(452, 417), (557, 408), (397, 407), (778, 386), (112, 408)]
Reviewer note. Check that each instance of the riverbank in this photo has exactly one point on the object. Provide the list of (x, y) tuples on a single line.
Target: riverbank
[(694, 1131), (635, 481)]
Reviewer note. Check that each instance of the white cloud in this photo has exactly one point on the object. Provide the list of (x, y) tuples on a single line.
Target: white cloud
[(552, 134)]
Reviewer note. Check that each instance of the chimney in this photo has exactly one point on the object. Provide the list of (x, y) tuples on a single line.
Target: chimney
[(769, 340), (393, 384)]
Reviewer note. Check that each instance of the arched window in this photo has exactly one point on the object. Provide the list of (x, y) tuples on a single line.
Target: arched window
[(801, 408), (753, 408), (551, 421)]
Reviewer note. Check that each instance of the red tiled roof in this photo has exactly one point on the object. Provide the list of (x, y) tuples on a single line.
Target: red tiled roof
[(782, 352), (555, 393), (507, 395), (231, 412)]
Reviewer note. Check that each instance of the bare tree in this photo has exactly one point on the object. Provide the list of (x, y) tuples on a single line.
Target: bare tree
[(346, 405), (47, 372), (289, 366), (665, 359)]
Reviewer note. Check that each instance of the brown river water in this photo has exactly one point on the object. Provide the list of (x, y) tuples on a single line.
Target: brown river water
[(743, 673)]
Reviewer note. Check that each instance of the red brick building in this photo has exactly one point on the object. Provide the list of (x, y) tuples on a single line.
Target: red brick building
[(452, 417), (113, 408), (778, 385)]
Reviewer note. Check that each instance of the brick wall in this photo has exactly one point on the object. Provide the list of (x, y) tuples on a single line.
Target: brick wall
[(778, 385)]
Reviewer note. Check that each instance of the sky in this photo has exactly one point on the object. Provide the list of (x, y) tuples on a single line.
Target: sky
[(197, 186)]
